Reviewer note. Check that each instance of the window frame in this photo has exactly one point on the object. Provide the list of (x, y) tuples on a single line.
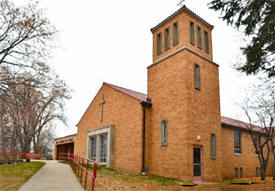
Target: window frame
[(213, 146), (93, 147), (241, 172), (159, 43), (109, 131), (175, 33), (199, 37), (236, 172), (167, 38), (164, 133), (206, 42), (103, 155), (237, 146), (192, 32), (197, 76)]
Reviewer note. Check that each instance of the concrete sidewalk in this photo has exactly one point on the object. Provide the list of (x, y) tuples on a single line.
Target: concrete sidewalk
[(53, 176)]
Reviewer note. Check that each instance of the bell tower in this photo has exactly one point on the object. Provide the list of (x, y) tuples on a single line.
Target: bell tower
[(183, 84)]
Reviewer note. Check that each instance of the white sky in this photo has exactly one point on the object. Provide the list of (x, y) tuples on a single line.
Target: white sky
[(111, 41)]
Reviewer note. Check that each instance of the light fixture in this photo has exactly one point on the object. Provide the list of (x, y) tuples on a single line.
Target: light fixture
[(198, 137)]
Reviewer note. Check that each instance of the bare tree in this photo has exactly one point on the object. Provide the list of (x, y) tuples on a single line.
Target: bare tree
[(260, 110), (32, 96), (33, 108), (25, 36), (46, 139)]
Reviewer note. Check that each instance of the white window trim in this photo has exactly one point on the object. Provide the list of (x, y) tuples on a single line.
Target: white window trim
[(97, 132)]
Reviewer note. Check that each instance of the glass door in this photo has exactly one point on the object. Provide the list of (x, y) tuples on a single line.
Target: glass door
[(197, 163)]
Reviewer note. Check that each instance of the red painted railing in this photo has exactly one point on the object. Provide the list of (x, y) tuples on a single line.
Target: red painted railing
[(30, 156), (85, 168), (11, 156)]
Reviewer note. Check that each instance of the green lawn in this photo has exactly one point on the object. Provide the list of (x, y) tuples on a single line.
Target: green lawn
[(125, 177), (241, 182), (13, 176)]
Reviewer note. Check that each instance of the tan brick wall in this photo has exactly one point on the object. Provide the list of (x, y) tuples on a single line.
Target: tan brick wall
[(247, 159), (125, 113)]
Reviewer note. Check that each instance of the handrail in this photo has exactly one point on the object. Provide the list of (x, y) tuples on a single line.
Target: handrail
[(83, 165)]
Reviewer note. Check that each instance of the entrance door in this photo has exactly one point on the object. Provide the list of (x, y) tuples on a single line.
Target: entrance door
[(197, 163)]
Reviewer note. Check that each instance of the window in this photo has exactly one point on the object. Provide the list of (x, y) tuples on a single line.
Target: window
[(257, 172), (213, 146), (236, 172), (175, 33), (241, 172), (164, 133), (237, 141), (103, 150), (159, 47), (199, 36), (167, 38), (93, 149), (192, 33), (206, 42), (197, 76)]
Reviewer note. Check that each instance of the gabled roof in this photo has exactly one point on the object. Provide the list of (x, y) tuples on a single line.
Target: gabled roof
[(136, 95), (229, 122), (184, 8), (141, 97)]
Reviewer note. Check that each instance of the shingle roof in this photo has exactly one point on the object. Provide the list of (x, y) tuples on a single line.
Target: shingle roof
[(136, 95), (229, 122), (184, 8)]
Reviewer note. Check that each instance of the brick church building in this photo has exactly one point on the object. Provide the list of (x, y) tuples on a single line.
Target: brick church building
[(176, 129)]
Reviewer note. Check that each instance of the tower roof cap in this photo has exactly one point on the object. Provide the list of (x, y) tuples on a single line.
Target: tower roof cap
[(183, 8)]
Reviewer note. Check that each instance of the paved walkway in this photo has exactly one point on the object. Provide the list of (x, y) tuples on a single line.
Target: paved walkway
[(53, 176)]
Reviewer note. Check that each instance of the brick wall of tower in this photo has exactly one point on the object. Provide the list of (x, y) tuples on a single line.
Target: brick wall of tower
[(166, 88), (125, 114), (191, 112), (188, 111)]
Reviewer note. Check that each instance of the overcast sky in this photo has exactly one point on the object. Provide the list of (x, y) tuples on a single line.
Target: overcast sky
[(110, 41)]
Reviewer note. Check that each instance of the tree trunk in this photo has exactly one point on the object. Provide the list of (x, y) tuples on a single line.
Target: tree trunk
[(37, 143), (262, 172), (3, 142), (26, 147), (35, 146)]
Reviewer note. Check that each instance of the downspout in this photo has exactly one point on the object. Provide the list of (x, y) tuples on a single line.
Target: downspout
[(143, 170), (144, 104)]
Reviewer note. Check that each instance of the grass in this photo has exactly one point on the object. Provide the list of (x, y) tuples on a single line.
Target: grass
[(13, 176), (238, 182), (136, 178)]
